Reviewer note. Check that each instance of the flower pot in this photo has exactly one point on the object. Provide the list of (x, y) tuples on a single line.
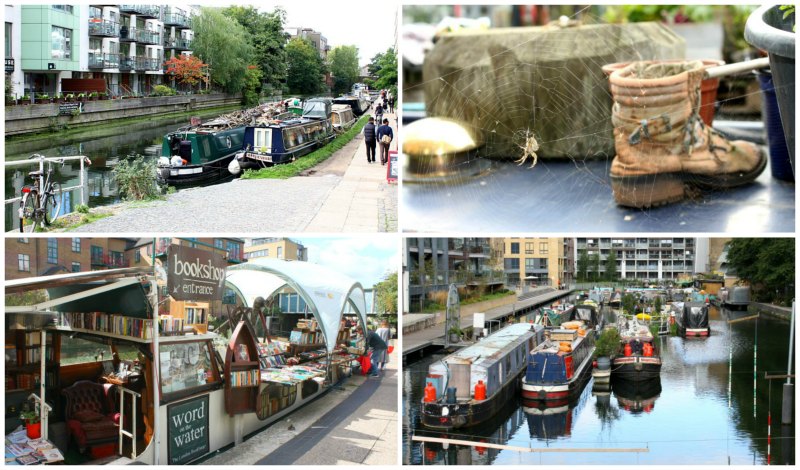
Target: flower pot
[(34, 430), (454, 338), (767, 29), (780, 163)]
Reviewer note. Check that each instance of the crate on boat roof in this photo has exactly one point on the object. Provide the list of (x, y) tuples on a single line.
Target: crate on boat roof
[(563, 335)]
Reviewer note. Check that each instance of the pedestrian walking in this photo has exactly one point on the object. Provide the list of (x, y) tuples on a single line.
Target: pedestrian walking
[(385, 136), (369, 139), (379, 113), (391, 104), (384, 333)]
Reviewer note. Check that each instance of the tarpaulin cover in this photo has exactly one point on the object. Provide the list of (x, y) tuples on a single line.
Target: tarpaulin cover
[(326, 292)]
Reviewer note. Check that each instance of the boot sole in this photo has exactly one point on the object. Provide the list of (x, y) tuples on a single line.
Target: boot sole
[(658, 189)]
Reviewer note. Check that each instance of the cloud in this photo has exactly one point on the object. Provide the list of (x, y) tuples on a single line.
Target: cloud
[(366, 260)]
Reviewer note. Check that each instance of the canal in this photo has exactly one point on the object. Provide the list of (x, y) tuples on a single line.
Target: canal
[(687, 417), (105, 148)]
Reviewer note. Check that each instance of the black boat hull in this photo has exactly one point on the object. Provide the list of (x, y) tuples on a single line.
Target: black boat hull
[(636, 368), (255, 161), (189, 176)]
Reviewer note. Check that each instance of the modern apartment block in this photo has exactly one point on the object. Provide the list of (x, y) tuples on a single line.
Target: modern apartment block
[(279, 248), (32, 257), (316, 39), (649, 258), (124, 45), (538, 261)]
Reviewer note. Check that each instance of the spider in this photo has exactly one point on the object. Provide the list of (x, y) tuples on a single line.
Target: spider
[(529, 149)]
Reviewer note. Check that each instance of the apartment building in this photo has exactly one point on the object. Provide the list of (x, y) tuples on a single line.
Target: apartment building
[(537, 261), (49, 47), (279, 248), (32, 257), (316, 39), (649, 258)]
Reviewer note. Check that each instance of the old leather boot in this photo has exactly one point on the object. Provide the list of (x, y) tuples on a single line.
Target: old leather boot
[(663, 147)]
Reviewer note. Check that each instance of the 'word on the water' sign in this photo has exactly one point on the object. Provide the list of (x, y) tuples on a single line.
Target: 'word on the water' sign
[(187, 430)]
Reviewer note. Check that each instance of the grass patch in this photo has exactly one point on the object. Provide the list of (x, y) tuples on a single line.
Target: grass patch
[(485, 297), (71, 223), (314, 158)]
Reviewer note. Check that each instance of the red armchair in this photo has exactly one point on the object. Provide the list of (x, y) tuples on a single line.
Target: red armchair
[(91, 415)]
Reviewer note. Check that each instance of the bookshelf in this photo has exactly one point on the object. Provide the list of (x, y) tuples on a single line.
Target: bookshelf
[(113, 324), (23, 364), (306, 336), (242, 371), (193, 314)]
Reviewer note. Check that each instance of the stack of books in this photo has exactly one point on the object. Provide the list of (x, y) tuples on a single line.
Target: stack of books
[(245, 378)]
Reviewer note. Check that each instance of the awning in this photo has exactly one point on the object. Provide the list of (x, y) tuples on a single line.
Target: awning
[(326, 292)]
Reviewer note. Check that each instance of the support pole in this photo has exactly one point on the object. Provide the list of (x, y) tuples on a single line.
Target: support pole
[(787, 406), (43, 410)]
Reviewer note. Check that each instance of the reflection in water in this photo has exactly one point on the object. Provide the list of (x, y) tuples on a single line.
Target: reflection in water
[(691, 424)]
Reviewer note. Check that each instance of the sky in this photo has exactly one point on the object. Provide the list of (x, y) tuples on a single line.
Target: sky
[(368, 25), (365, 259)]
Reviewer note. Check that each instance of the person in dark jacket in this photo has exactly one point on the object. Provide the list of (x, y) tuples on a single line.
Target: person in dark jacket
[(378, 347), (379, 112), (369, 140), (385, 130)]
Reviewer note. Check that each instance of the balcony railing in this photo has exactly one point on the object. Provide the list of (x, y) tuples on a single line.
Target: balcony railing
[(110, 261), (147, 37), (103, 61), (148, 11), (177, 19), (178, 43), (9, 65), (101, 27), (126, 63)]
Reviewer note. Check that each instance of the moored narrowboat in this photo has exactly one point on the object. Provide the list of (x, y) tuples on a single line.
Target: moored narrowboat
[(589, 313), (615, 301), (737, 298), (692, 320), (559, 368), (467, 387), (357, 103), (638, 357), (342, 117), (199, 155)]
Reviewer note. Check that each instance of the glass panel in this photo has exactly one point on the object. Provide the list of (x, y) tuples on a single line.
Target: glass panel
[(80, 351), (184, 366)]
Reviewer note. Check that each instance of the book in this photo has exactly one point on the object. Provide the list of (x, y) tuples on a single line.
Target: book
[(19, 449), (52, 454), (27, 460)]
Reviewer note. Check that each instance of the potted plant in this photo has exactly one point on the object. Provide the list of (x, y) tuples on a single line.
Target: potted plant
[(69, 97), (10, 101), (93, 96), (26, 99), (58, 98), (102, 96), (31, 419), (81, 97), (455, 334), (45, 98), (605, 348)]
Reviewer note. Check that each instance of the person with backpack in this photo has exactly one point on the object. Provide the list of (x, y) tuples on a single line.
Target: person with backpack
[(369, 139), (385, 137), (378, 112)]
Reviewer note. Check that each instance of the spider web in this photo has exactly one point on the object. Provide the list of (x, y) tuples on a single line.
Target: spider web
[(528, 101)]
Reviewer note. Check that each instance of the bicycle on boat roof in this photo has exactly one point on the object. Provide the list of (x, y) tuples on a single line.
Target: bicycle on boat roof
[(41, 201)]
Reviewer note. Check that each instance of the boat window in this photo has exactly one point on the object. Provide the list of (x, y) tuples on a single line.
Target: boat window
[(185, 366), (276, 397), (81, 351), (335, 118)]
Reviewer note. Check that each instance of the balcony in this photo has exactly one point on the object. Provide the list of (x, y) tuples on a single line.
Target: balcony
[(103, 28), (144, 36), (145, 11), (179, 44), (110, 261), (9, 65), (148, 64), (126, 64), (103, 61), (179, 20)]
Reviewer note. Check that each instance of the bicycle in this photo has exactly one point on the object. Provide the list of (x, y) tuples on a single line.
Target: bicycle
[(41, 202)]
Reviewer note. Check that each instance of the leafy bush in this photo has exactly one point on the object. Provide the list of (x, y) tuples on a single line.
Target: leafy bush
[(136, 178), (607, 343), (82, 208), (163, 90)]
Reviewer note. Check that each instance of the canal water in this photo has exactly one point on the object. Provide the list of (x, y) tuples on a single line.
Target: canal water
[(688, 417), (104, 151)]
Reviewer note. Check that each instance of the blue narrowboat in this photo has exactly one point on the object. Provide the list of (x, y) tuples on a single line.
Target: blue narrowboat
[(274, 141)]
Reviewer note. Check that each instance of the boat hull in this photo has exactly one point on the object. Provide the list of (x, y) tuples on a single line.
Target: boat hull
[(464, 415), (253, 160), (196, 175), (694, 332), (558, 394), (636, 368)]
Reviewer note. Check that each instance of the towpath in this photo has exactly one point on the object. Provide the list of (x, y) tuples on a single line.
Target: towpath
[(343, 194)]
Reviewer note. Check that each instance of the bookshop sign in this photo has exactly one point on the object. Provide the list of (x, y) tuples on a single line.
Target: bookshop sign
[(187, 430), (195, 274)]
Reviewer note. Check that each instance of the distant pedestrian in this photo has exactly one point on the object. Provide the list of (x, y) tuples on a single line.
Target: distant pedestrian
[(385, 136), (384, 333), (377, 346), (379, 112), (391, 104), (369, 140)]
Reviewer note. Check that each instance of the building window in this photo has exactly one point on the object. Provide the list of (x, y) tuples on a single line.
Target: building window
[(137, 255), (64, 8), (61, 47), (9, 29), (24, 262), (511, 263), (218, 243), (515, 248), (229, 297), (528, 248), (544, 248), (76, 267), (234, 252), (97, 254), (76, 245), (22, 240), (117, 259), (280, 252), (52, 250)]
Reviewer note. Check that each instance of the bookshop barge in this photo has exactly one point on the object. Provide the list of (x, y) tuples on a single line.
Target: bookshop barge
[(166, 382)]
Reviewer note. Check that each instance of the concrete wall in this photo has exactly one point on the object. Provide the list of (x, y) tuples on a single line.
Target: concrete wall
[(22, 119)]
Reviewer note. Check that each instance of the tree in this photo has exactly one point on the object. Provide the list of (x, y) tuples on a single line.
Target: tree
[(252, 86), (611, 267), (266, 35), (187, 70), (344, 67), (305, 68), (594, 266), (583, 266), (628, 304), (386, 295), (222, 43), (767, 264), (387, 72)]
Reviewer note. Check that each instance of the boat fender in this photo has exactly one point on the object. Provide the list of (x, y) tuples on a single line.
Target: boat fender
[(234, 168), (164, 173), (430, 393), (163, 161), (480, 390)]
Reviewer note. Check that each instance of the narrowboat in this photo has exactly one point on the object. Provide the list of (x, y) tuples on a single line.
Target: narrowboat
[(638, 356), (342, 117), (737, 298), (616, 299), (468, 387), (205, 152), (555, 315), (559, 368), (272, 142), (693, 320), (151, 388), (637, 397), (589, 313), (357, 103)]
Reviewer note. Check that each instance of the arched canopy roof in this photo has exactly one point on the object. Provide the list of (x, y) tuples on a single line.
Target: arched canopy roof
[(325, 291)]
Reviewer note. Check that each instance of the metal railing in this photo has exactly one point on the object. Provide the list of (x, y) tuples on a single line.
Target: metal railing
[(177, 19), (41, 161), (152, 11), (122, 432), (44, 408), (100, 27), (177, 43), (103, 61)]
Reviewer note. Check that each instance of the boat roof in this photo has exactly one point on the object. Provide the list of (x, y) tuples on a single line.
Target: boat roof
[(492, 348), (284, 124), (327, 293), (340, 107)]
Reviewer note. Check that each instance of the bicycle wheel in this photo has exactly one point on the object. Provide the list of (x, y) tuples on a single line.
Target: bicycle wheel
[(27, 213), (52, 203)]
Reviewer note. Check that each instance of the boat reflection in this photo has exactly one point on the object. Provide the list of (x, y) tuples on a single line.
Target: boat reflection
[(637, 396)]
